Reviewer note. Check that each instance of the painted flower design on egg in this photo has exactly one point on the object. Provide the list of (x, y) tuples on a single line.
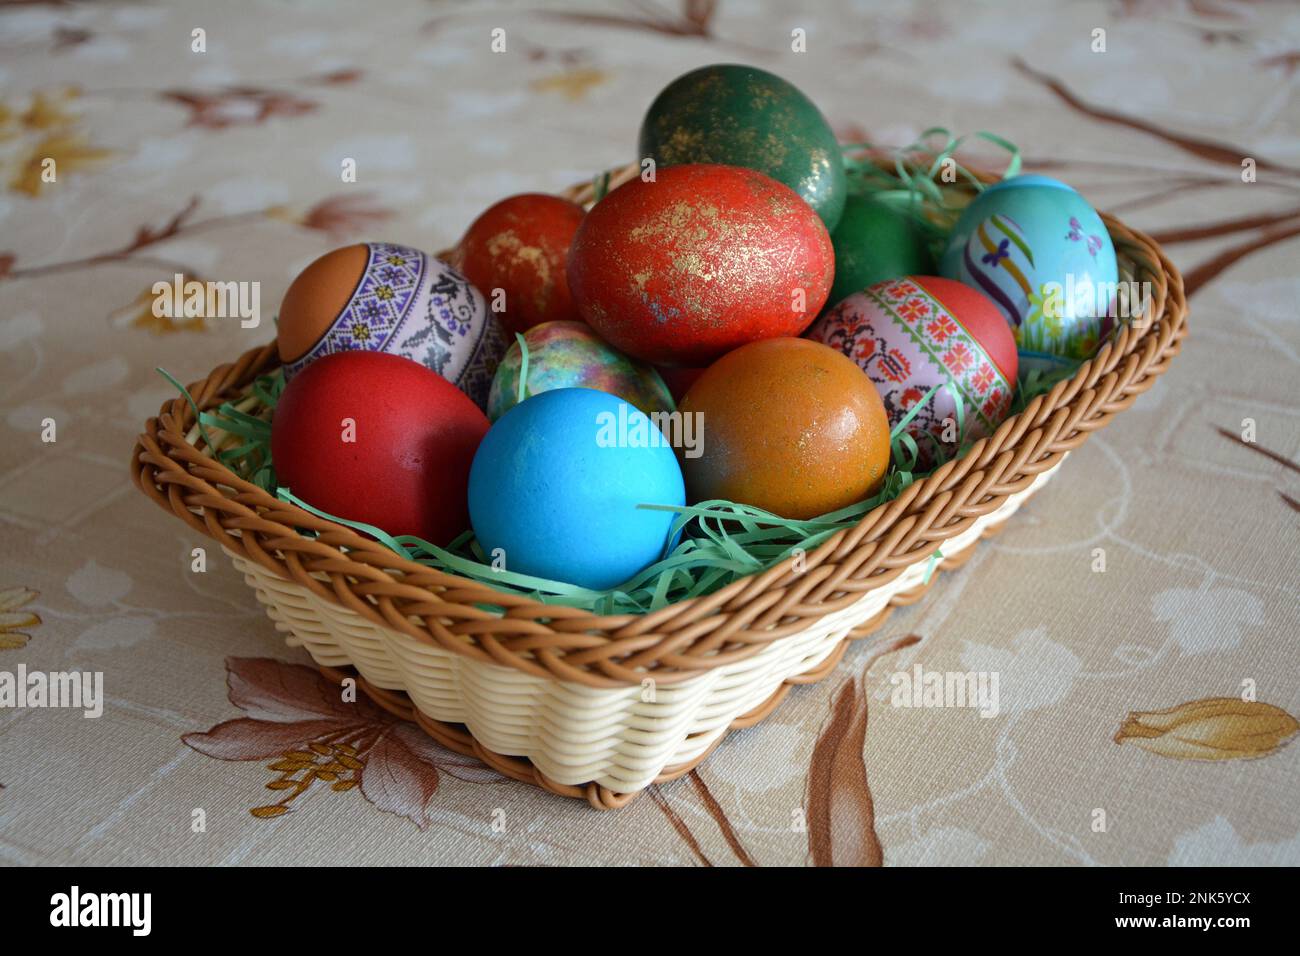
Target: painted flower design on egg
[(881, 330), (899, 289), (894, 365), (995, 406), (941, 329), (410, 304), (1044, 311), (1076, 235), (958, 358), (1036, 247), (999, 261), (909, 397), (861, 352)]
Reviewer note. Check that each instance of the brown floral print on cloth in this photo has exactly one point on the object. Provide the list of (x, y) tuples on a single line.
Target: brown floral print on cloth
[(65, 38), (713, 808), (1281, 459), (1267, 231), (338, 216), (237, 107), (573, 85), (1201, 148), (145, 237), (838, 805), (300, 722), (1214, 728), (335, 217), (695, 19), (841, 815), (252, 105), (13, 617)]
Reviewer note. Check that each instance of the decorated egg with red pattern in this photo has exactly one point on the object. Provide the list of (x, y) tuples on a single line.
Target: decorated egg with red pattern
[(702, 259), (914, 333)]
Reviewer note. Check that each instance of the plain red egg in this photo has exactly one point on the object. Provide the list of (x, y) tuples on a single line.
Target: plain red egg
[(521, 246), (699, 261), (414, 434)]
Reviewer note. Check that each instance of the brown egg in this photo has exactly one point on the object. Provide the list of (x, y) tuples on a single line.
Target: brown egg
[(316, 297), (790, 426)]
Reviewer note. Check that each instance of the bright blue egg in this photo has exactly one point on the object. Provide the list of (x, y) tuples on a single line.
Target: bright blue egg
[(1035, 247), (557, 482)]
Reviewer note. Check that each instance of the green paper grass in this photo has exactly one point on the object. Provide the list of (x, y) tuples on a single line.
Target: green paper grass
[(722, 541), (912, 178)]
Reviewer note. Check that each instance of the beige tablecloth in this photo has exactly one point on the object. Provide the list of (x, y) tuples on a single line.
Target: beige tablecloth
[(225, 164)]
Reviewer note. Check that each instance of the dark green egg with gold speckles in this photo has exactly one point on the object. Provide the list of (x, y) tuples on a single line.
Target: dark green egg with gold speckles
[(874, 242), (744, 116)]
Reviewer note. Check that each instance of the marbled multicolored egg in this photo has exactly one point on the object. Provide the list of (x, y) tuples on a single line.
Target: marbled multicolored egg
[(874, 242), (570, 355), (790, 426), (520, 246), (917, 332), (704, 259), (743, 116), (381, 297), (1036, 248)]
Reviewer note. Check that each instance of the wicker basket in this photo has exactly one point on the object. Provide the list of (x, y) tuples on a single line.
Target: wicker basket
[(599, 707)]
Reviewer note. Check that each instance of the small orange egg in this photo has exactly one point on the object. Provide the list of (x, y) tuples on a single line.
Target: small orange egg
[(790, 426), (316, 298)]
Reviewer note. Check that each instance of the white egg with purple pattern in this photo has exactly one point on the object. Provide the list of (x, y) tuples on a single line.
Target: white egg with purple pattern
[(382, 297)]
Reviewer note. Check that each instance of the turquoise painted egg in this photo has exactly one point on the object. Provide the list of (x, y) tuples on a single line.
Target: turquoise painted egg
[(565, 354), (1035, 247), (558, 484)]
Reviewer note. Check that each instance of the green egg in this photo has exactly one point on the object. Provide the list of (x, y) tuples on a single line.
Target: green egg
[(874, 242), (744, 116)]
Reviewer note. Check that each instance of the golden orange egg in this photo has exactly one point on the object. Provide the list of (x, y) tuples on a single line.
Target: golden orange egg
[(316, 298), (790, 426)]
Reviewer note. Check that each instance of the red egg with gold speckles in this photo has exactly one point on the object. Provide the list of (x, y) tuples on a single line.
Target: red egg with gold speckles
[(699, 261), (790, 426), (521, 246)]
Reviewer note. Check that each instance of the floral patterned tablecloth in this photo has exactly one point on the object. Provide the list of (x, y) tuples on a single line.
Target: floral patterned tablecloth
[(218, 744)]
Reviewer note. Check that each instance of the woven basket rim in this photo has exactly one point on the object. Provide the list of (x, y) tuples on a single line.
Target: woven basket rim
[(692, 636)]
